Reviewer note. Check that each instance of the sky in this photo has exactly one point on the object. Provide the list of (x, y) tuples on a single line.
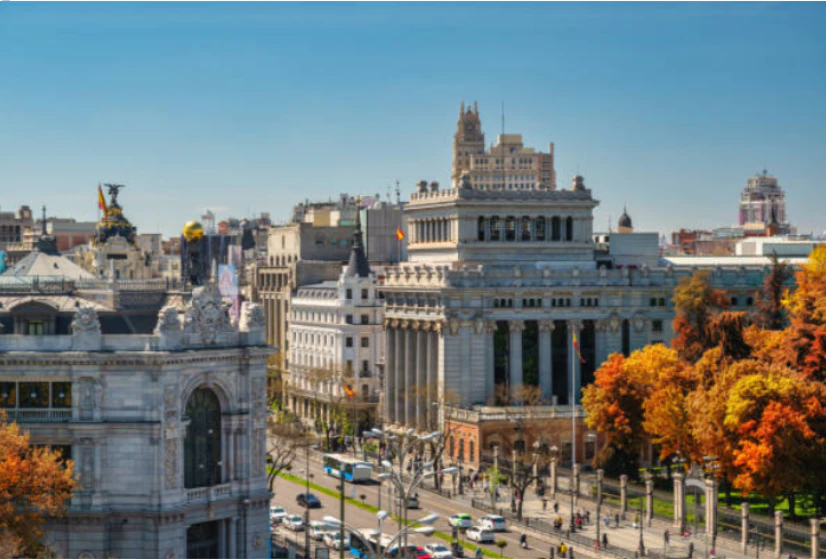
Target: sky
[(251, 107)]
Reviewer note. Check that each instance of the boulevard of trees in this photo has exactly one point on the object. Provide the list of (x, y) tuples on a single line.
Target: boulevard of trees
[(746, 388)]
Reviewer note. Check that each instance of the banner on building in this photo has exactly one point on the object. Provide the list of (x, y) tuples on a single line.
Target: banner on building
[(228, 286)]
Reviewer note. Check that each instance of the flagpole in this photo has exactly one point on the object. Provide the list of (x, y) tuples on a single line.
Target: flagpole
[(573, 419)]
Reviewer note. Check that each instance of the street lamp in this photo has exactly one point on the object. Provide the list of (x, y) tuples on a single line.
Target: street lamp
[(554, 456), (641, 548), (599, 504), (714, 464)]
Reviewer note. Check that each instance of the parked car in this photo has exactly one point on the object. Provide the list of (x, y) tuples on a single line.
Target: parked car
[(318, 529), (293, 522), (461, 520), (308, 500), (333, 539), (421, 553), (479, 535), (494, 523), (438, 551), (413, 502), (277, 515)]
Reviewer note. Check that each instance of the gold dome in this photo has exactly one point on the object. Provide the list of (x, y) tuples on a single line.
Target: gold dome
[(193, 231)]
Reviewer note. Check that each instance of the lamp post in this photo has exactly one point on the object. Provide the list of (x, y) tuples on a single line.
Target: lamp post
[(599, 503), (554, 455), (641, 547), (461, 484)]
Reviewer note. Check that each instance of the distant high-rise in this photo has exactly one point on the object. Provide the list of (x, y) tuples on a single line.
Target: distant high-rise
[(508, 165), (763, 203)]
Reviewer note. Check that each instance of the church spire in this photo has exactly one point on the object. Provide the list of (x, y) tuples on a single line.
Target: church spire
[(357, 266)]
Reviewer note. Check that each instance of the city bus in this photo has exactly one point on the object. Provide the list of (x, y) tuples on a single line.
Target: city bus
[(355, 471)]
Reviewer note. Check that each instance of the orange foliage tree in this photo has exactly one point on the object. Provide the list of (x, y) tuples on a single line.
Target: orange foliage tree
[(805, 345), (695, 304), (35, 482)]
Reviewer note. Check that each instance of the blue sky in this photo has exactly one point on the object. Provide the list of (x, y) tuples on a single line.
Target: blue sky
[(253, 107)]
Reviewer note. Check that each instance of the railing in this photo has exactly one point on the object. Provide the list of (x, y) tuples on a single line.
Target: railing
[(39, 415), (56, 284), (214, 493)]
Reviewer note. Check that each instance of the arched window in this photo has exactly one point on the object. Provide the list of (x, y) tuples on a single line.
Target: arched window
[(481, 229), (569, 229), (495, 233), (471, 455), (202, 445), (510, 228), (526, 228), (539, 229), (555, 228), (461, 450)]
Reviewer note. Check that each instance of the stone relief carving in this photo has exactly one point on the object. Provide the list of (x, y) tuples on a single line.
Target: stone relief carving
[(167, 320), (252, 316), (87, 468), (546, 326), (516, 325), (490, 326), (171, 456), (479, 325), (614, 323), (453, 324), (85, 321), (205, 315), (639, 322)]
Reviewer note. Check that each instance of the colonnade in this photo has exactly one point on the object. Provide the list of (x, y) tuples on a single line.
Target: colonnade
[(411, 373), (432, 230)]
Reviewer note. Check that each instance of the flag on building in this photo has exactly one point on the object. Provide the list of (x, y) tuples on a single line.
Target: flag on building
[(576, 347), (101, 199), (399, 233), (349, 392)]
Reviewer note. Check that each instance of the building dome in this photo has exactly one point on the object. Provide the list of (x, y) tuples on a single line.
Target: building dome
[(578, 183), (625, 225), (193, 231)]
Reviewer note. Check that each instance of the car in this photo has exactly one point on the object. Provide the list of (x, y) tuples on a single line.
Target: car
[(438, 551), (293, 522), (421, 553), (494, 523), (277, 514), (308, 500), (413, 502), (479, 535), (332, 539), (318, 529), (461, 520)]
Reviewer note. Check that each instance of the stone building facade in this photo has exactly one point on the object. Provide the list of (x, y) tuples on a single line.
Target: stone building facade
[(499, 284), (161, 408)]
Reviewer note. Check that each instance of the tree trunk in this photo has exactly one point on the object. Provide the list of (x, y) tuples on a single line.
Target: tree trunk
[(792, 505)]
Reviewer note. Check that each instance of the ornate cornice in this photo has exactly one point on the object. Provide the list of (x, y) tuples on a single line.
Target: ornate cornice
[(132, 359)]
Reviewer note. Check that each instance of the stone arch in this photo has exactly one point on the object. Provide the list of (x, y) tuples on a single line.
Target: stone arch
[(210, 380), (203, 452)]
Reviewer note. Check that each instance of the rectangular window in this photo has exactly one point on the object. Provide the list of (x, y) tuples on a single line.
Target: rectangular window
[(365, 342), (364, 295), (349, 294), (656, 325), (349, 367), (61, 394), (348, 319), (348, 342), (35, 328), (34, 394), (8, 395), (365, 319)]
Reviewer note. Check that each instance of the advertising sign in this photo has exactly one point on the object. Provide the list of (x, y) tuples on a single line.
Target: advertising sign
[(228, 286)]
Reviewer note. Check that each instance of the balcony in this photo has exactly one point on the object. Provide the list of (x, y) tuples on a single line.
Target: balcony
[(209, 494), (38, 415)]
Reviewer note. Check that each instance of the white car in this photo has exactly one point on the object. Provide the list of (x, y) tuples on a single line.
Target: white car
[(319, 529), (333, 539), (293, 522), (479, 535), (438, 551), (461, 520), (494, 523), (277, 515)]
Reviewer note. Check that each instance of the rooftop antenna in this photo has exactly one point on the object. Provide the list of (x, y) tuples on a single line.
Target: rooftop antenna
[(503, 119), (43, 230), (398, 194)]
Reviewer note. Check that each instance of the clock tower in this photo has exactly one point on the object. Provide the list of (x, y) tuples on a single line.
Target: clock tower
[(469, 140)]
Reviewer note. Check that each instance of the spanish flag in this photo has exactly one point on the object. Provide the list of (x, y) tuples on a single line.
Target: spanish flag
[(576, 347), (399, 233), (349, 392), (101, 199)]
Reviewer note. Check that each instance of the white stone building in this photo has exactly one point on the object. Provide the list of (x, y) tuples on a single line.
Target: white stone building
[(336, 340), (159, 401)]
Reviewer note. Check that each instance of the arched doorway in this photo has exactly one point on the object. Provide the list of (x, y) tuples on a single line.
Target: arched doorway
[(202, 541), (202, 445)]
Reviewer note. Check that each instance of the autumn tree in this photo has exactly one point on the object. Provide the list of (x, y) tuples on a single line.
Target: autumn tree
[(614, 405), (780, 417), (695, 304), (805, 343), (285, 438), (769, 300), (35, 482)]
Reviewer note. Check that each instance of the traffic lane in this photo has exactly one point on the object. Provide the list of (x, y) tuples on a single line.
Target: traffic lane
[(431, 503)]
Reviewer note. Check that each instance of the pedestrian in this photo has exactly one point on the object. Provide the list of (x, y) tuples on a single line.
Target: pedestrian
[(636, 519), (551, 554), (616, 520), (556, 507), (690, 550), (587, 517), (666, 537), (604, 540), (544, 504), (607, 521), (478, 553)]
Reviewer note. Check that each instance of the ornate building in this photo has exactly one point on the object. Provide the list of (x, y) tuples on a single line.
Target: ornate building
[(156, 397), (507, 165), (336, 342), (499, 284), (763, 204)]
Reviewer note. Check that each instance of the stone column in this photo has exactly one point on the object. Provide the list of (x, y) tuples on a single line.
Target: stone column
[(233, 538), (399, 384), (778, 534), (575, 481), (421, 372), (409, 372), (711, 508), (815, 537), (679, 499), (574, 363), (516, 327), (623, 494), (389, 387), (432, 422), (545, 359), (744, 527), (649, 498), (490, 372)]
